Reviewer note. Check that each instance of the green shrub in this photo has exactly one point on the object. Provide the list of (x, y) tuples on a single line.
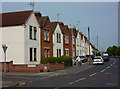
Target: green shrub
[(56, 59)]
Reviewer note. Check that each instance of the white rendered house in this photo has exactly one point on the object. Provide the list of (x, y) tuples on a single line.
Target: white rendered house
[(57, 39), (21, 33)]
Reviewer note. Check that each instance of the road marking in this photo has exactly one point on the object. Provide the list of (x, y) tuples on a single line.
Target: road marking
[(102, 70), (79, 79), (93, 74), (108, 67), (71, 83)]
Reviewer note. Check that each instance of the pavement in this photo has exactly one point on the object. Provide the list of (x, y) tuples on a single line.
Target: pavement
[(15, 78)]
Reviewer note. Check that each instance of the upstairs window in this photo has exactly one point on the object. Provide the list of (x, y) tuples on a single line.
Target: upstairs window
[(66, 39), (30, 32), (77, 41), (59, 38), (35, 31), (46, 35)]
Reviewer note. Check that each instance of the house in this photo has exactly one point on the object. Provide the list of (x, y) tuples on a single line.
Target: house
[(67, 42), (73, 39), (57, 34), (20, 31), (46, 35)]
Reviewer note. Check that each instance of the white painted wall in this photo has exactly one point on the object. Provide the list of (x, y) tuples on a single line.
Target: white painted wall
[(55, 44), (13, 37), (18, 42), (32, 43)]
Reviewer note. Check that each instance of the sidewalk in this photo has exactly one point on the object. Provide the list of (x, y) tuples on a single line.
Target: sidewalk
[(12, 79)]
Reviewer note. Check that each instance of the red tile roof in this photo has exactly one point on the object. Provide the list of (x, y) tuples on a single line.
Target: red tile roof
[(15, 18)]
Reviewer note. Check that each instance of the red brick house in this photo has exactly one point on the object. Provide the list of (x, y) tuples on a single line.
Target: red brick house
[(67, 41), (46, 36)]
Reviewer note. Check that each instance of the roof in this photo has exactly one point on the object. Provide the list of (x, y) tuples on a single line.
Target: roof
[(44, 19), (15, 18), (54, 24), (38, 16), (81, 35)]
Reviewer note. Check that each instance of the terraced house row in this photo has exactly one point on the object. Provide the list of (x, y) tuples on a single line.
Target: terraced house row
[(31, 37)]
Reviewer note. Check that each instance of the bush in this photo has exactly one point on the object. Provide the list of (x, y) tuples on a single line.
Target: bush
[(56, 59)]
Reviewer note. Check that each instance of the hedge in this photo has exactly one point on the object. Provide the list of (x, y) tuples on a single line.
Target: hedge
[(56, 59)]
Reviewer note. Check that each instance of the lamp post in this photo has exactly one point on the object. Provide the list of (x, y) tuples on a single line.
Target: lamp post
[(4, 49)]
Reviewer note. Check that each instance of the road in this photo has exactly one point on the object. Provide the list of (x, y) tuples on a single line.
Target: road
[(98, 76)]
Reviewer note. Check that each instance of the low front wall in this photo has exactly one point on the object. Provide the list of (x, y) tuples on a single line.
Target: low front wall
[(38, 68)]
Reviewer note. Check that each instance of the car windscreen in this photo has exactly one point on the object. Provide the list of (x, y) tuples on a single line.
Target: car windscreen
[(104, 56), (82, 56), (97, 58)]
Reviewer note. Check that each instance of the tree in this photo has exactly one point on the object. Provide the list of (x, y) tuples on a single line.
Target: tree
[(113, 50)]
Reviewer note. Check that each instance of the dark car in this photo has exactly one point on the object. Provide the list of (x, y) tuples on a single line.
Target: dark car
[(83, 59), (106, 58)]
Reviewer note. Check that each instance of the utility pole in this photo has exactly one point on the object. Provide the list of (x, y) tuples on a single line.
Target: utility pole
[(97, 42), (58, 17), (32, 4), (90, 60), (89, 39)]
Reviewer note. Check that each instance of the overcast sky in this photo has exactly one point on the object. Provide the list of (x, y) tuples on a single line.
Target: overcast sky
[(101, 17)]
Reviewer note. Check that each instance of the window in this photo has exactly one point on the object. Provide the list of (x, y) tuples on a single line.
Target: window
[(77, 52), (46, 52), (59, 38), (30, 32), (35, 54), (80, 42), (67, 52), (35, 31), (77, 41), (66, 39), (73, 52), (58, 52), (73, 41), (44, 34), (47, 35), (30, 54)]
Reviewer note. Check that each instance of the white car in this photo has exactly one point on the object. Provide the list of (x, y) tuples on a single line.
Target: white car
[(98, 60)]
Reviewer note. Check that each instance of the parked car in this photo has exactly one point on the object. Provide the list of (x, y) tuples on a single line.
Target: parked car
[(83, 59), (106, 58), (98, 60)]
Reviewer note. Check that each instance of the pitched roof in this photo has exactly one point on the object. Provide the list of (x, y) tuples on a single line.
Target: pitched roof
[(38, 16), (54, 24), (15, 18), (44, 19)]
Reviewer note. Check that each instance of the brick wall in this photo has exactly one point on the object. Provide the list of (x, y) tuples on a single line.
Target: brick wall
[(46, 44), (24, 68)]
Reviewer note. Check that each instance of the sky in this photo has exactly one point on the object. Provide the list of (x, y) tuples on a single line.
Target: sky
[(101, 17)]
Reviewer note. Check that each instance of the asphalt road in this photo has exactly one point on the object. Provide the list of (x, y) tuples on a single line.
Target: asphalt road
[(98, 76)]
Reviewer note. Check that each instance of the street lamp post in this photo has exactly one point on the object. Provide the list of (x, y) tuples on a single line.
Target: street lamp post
[(4, 49)]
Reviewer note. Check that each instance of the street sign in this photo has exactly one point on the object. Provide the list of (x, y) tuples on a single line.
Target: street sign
[(4, 48)]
